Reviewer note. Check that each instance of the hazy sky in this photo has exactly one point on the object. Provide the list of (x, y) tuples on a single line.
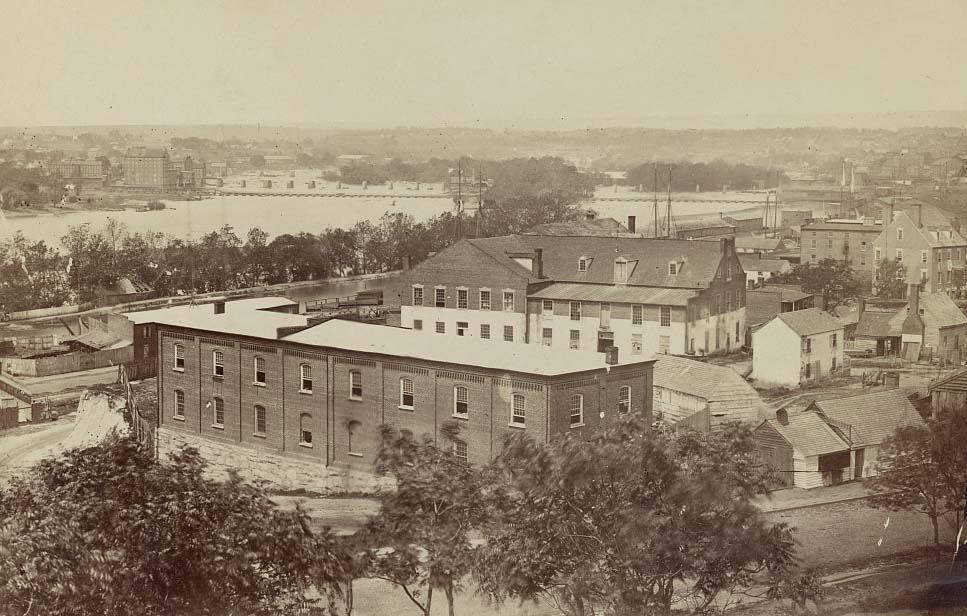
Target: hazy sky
[(490, 62)]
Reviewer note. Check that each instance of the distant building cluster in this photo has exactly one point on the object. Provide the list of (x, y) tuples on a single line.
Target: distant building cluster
[(153, 168)]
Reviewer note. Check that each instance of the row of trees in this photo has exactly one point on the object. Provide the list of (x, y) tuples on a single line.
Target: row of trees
[(35, 275), (716, 175), (625, 522), (836, 284)]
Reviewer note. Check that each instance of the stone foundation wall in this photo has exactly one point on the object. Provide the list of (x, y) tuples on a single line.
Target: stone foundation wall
[(278, 472)]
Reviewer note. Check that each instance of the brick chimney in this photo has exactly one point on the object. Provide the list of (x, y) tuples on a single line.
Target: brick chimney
[(861, 308), (913, 324), (219, 307), (919, 218), (539, 262), (611, 355), (631, 224)]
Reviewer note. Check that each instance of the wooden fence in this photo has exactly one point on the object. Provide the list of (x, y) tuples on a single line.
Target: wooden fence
[(142, 427), (71, 362)]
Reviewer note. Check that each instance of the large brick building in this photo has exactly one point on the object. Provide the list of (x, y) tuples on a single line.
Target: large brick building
[(149, 168), (935, 256), (642, 295), (269, 381), (849, 240)]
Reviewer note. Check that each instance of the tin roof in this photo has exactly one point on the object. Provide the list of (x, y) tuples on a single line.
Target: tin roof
[(247, 317)]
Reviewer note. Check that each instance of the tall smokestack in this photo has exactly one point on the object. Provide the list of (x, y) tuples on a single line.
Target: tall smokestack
[(539, 262)]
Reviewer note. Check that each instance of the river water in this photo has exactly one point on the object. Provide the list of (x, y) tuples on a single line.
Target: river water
[(277, 215)]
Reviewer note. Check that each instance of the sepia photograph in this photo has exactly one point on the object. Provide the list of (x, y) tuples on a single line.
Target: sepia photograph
[(514, 308)]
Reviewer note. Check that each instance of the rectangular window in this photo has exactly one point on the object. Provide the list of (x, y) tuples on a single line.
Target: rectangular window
[(575, 342), (260, 419), (636, 344), (621, 271), (218, 412), (406, 394), (508, 301), (440, 297), (832, 341), (899, 255), (637, 314), (441, 327), (418, 324), (582, 264), (461, 401), (666, 316), (508, 333), (577, 410), (179, 357), (899, 235), (355, 385), (547, 307), (813, 243), (575, 311), (179, 404), (876, 254), (218, 363), (462, 298), (306, 375), (485, 300), (417, 296), (923, 275), (624, 399), (462, 327), (547, 335), (518, 414), (672, 268), (259, 371), (460, 450), (485, 331), (923, 256)]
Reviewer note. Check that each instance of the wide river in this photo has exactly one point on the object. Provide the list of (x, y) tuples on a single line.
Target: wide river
[(277, 215)]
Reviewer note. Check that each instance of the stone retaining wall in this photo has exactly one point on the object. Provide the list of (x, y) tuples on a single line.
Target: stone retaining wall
[(279, 472)]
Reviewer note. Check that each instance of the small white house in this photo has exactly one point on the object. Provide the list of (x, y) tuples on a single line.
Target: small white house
[(796, 347)]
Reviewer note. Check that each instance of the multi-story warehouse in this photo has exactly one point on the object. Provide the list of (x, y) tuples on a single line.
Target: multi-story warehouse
[(79, 168), (587, 293), (257, 389), (849, 240), (935, 256), (149, 168)]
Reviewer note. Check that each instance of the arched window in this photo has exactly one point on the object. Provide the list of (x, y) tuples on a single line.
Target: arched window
[(305, 373), (179, 404), (406, 393), (218, 412), (218, 363), (355, 385), (624, 399), (353, 433), (305, 430), (577, 410), (179, 357), (518, 412), (260, 419), (259, 365), (461, 398)]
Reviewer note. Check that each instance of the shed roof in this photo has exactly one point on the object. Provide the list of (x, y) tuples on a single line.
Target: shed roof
[(576, 291), (941, 311), (397, 342), (810, 321), (810, 435), (701, 379), (870, 418), (955, 382), (876, 324), (754, 263)]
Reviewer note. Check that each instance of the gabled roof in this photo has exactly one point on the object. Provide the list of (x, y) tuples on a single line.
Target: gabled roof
[(697, 261), (936, 236), (810, 321), (870, 418), (941, 311), (810, 435), (617, 294), (753, 263), (499, 249), (701, 379), (874, 324)]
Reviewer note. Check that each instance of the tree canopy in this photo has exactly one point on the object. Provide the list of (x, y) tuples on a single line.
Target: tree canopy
[(833, 280), (107, 530), (891, 279)]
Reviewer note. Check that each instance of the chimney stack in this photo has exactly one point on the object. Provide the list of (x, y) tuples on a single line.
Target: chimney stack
[(913, 298), (220, 307), (782, 416), (861, 307), (539, 262), (887, 214), (631, 224), (611, 355), (919, 215), (955, 224)]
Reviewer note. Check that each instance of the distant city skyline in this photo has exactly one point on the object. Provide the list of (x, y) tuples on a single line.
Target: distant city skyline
[(521, 65)]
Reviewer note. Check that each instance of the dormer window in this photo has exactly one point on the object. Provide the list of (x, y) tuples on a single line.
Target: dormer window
[(672, 268), (621, 270), (583, 263)]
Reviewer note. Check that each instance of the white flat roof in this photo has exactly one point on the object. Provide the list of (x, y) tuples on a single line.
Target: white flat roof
[(467, 351), (247, 317)]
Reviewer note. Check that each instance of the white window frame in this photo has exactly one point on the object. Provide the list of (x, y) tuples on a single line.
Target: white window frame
[(485, 305), (303, 417), (179, 357), (463, 298), (460, 449), (899, 234), (440, 327), (256, 362), (899, 255), (575, 315), (406, 383), (508, 329), (547, 336), (305, 375), (351, 427), (663, 312), (572, 341), (265, 420), (457, 401), (583, 264), (418, 287), (218, 422), (577, 410), (923, 256), (485, 331), (504, 303), (636, 344), (547, 307), (672, 268), (179, 412), (637, 314), (518, 415), (462, 328), (621, 270), (355, 382), (218, 363), (436, 294), (624, 400)]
